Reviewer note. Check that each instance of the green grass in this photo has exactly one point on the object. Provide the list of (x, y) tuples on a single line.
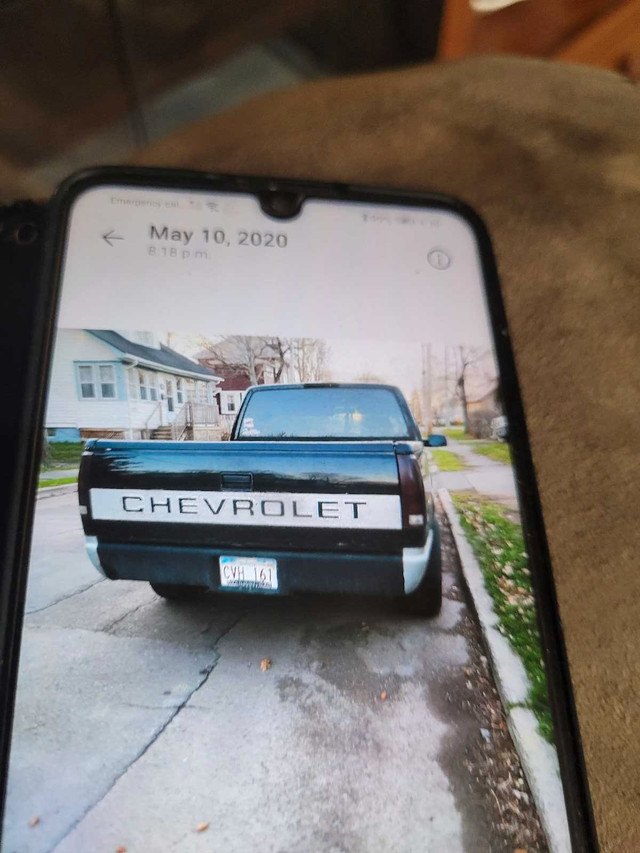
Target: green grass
[(64, 454), (56, 481), (498, 544), (458, 433), (447, 461), (496, 450)]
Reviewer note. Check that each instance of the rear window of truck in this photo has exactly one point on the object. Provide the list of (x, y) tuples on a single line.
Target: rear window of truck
[(324, 413)]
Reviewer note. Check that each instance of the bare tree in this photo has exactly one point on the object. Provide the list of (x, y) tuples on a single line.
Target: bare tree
[(309, 359), (280, 349), (415, 404), (250, 354), (467, 356)]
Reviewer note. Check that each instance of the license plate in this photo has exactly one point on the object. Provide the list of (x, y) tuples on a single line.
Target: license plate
[(249, 573)]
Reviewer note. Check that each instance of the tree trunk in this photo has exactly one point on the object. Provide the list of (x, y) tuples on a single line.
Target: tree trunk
[(251, 364), (281, 352), (462, 391), (463, 400)]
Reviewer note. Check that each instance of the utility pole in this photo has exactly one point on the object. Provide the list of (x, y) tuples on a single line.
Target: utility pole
[(423, 385), (429, 388), (447, 402), (426, 386), (291, 370)]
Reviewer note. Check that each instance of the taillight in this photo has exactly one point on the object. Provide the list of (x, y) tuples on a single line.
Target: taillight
[(414, 504), (83, 479)]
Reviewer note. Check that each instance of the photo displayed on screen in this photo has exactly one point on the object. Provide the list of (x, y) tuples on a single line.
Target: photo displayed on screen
[(279, 593)]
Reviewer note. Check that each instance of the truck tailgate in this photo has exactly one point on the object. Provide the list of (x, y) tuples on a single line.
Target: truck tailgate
[(314, 495)]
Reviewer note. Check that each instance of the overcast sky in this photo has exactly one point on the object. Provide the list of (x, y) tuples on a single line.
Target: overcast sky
[(396, 363), (392, 361)]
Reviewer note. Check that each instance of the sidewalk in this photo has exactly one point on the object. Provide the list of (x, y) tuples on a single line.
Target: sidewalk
[(58, 473), (60, 488), (483, 475), (538, 757)]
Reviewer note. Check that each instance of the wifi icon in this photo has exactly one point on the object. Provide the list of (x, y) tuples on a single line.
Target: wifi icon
[(212, 205)]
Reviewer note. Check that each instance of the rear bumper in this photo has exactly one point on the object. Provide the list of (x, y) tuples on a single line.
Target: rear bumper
[(370, 574)]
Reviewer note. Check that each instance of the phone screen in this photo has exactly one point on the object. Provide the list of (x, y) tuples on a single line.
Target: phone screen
[(279, 594)]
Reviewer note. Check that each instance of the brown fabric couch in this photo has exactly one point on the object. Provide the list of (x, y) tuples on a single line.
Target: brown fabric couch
[(550, 156)]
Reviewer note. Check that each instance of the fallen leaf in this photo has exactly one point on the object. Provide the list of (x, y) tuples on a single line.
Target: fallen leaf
[(204, 826), (34, 821), (383, 695), (265, 664)]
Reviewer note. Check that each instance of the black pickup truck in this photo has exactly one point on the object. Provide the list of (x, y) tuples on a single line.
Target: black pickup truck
[(321, 488)]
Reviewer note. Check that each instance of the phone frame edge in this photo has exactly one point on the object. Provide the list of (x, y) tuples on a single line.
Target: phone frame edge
[(16, 557)]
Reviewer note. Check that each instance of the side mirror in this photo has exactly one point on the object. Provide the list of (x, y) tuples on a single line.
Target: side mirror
[(435, 441)]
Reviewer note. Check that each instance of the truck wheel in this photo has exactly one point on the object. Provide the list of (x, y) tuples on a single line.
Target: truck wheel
[(427, 599), (177, 592)]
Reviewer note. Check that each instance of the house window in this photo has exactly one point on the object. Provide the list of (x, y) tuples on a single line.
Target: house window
[(87, 385), (231, 403), (133, 387), (143, 386), (179, 392), (107, 375), (153, 387), (201, 392), (97, 381)]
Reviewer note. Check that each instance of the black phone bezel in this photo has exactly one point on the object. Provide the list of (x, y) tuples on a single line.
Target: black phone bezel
[(30, 421)]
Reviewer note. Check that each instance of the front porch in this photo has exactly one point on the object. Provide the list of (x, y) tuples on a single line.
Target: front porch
[(192, 422)]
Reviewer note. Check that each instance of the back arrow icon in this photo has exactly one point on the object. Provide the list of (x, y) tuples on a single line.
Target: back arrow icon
[(109, 236)]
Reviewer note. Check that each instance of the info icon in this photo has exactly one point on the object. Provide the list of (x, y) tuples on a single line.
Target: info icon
[(439, 259)]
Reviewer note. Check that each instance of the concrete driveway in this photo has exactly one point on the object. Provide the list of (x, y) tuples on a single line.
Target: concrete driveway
[(138, 721)]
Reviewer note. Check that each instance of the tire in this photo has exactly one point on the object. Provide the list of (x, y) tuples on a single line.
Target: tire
[(177, 592), (426, 601)]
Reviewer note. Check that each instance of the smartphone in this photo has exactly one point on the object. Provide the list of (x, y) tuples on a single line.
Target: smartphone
[(289, 583)]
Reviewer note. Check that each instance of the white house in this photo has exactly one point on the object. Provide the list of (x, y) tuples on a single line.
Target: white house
[(123, 384)]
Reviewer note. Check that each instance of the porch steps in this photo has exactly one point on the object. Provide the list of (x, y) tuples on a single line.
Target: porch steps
[(161, 433)]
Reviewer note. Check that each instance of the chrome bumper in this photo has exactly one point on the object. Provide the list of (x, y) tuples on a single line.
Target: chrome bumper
[(91, 544), (415, 562)]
